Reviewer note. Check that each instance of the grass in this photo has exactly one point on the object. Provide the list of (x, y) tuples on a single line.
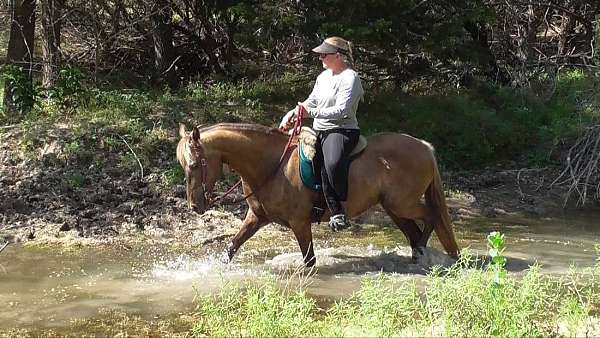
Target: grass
[(463, 300)]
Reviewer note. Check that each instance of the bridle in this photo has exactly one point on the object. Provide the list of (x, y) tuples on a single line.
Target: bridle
[(210, 202), (203, 164)]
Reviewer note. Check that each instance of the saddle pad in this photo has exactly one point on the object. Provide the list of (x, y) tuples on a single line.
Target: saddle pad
[(306, 170)]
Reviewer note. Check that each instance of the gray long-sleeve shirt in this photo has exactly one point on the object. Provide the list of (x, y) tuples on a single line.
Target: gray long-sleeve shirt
[(334, 100)]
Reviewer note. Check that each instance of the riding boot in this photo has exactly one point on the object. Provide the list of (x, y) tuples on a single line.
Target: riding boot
[(319, 208), (339, 222)]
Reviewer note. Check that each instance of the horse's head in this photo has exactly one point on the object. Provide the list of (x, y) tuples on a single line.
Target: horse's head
[(201, 169)]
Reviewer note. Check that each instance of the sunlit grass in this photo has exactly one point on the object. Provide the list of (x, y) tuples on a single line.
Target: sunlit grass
[(463, 300)]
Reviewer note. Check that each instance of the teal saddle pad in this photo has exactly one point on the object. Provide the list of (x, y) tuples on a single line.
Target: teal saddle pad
[(306, 170)]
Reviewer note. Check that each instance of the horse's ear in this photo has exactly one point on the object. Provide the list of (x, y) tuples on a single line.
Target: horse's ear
[(195, 134), (182, 131)]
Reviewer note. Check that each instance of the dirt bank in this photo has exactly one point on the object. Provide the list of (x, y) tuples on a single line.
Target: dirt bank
[(46, 196)]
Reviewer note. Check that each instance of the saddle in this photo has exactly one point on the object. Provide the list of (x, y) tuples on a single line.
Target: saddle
[(307, 140)]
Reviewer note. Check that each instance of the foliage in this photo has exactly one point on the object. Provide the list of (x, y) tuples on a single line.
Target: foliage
[(504, 124), (488, 124), (68, 90), (496, 243), (400, 40), (25, 94), (174, 175), (381, 308)]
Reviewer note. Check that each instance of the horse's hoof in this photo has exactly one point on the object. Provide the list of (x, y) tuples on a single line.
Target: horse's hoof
[(310, 262), (229, 253), (417, 252)]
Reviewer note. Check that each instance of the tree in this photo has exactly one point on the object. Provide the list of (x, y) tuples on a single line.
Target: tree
[(162, 36), (20, 46), (51, 30)]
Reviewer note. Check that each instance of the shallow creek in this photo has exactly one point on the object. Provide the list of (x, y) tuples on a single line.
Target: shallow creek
[(46, 288)]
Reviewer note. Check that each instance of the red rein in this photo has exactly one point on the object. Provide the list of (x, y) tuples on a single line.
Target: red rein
[(300, 114)]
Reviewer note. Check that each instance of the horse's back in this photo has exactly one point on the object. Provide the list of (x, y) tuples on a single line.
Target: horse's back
[(402, 146)]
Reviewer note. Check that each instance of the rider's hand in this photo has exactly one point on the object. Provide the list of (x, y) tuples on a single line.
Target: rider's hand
[(288, 120)]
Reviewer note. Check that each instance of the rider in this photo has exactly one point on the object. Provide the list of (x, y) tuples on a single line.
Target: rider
[(333, 103)]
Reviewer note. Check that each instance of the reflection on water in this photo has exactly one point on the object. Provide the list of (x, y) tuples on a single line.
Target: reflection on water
[(555, 243), (44, 288)]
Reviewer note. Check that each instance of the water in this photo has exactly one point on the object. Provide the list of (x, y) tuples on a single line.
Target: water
[(45, 288)]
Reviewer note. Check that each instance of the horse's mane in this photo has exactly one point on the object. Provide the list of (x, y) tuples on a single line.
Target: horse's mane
[(241, 127)]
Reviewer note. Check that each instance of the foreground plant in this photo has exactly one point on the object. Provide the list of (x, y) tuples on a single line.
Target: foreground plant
[(467, 299)]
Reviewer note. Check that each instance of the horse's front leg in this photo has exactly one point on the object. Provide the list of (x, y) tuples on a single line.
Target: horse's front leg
[(251, 224), (303, 234)]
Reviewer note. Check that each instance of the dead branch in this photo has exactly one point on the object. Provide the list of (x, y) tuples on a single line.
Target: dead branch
[(134, 155), (581, 170), (4, 246)]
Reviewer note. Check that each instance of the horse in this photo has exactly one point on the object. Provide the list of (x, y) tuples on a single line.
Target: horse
[(395, 170)]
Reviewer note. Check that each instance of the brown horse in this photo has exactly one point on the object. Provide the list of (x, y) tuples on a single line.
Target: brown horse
[(395, 170)]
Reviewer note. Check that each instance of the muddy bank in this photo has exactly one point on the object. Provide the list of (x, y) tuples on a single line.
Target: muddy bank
[(50, 196)]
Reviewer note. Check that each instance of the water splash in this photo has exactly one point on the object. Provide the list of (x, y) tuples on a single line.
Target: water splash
[(348, 259), (185, 267)]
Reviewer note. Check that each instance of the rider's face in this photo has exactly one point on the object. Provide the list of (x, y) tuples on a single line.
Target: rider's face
[(328, 59)]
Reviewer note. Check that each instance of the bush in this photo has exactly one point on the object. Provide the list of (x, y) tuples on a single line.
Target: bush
[(25, 95), (68, 92)]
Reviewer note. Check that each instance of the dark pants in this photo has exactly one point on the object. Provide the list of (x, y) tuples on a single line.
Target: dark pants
[(333, 162)]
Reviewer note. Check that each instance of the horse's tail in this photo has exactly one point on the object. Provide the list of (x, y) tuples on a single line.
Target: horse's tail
[(434, 197)]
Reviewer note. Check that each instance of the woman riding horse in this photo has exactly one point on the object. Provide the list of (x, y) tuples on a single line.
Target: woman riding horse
[(395, 170), (333, 103)]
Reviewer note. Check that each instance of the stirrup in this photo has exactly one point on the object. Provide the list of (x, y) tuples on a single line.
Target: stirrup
[(338, 222)]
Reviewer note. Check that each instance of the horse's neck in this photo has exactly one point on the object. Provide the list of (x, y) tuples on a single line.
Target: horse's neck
[(252, 154)]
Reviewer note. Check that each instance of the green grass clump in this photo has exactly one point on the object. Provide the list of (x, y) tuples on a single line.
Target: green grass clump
[(381, 308), (469, 299), (467, 304), (259, 310)]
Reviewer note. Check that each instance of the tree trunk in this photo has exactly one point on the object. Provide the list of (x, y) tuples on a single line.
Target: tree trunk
[(20, 44), (479, 34), (51, 26), (164, 52)]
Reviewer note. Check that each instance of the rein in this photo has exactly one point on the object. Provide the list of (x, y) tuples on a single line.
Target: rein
[(300, 112)]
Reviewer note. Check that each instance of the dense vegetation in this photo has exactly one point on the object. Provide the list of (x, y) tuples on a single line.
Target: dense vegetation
[(483, 81)]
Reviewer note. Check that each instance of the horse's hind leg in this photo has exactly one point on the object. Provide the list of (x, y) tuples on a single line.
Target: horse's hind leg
[(411, 230), (427, 230), (251, 224)]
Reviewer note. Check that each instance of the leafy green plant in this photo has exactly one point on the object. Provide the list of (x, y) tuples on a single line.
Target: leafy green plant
[(496, 243), (68, 90), (173, 175), (25, 95), (76, 180)]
